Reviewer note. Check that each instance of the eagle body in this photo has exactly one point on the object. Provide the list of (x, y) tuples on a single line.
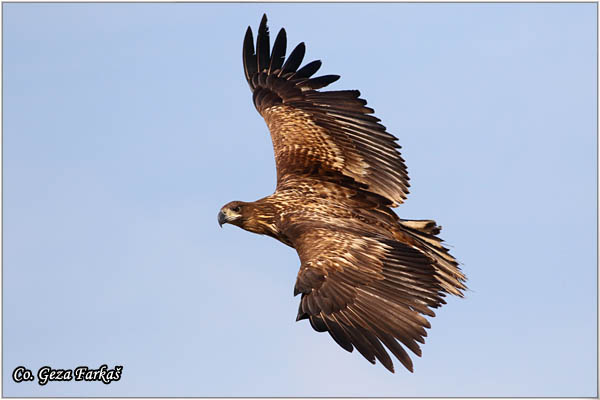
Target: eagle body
[(366, 277)]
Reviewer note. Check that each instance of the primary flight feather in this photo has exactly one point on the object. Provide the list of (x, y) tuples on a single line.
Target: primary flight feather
[(366, 276)]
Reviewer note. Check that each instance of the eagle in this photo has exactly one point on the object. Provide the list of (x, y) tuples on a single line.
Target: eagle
[(367, 277)]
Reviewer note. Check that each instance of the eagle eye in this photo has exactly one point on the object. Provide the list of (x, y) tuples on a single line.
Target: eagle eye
[(236, 209)]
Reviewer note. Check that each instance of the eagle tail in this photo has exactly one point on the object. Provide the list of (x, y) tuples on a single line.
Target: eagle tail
[(423, 233)]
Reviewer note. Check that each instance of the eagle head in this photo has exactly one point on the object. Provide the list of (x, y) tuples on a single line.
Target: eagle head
[(257, 217), (232, 213)]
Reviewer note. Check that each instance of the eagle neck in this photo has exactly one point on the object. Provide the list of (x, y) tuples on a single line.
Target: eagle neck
[(262, 218)]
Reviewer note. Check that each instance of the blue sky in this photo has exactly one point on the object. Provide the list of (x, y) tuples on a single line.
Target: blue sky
[(127, 126)]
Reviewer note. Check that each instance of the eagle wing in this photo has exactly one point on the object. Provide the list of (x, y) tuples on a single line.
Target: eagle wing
[(366, 290), (327, 134)]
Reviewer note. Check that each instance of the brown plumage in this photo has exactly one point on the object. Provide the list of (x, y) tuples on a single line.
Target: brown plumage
[(366, 276)]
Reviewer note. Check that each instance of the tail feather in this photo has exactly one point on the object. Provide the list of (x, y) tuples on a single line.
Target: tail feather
[(424, 233)]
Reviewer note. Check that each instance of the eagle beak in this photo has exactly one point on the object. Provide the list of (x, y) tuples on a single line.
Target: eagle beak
[(221, 218)]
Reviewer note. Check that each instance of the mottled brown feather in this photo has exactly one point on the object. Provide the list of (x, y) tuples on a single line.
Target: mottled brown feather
[(314, 132), (354, 281)]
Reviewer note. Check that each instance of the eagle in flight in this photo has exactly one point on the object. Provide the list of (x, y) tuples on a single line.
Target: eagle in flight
[(366, 276)]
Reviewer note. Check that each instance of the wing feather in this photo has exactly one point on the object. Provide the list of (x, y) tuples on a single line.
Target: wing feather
[(326, 134), (369, 292), (308, 70), (263, 45), (249, 57), (278, 53), (294, 60)]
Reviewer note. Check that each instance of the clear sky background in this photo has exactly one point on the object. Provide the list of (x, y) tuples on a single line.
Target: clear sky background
[(127, 127)]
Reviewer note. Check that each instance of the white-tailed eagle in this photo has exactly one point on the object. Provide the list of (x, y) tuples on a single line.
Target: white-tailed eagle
[(366, 276)]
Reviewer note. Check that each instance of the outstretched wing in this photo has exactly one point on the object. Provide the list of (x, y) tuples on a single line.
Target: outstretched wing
[(328, 134), (368, 291)]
